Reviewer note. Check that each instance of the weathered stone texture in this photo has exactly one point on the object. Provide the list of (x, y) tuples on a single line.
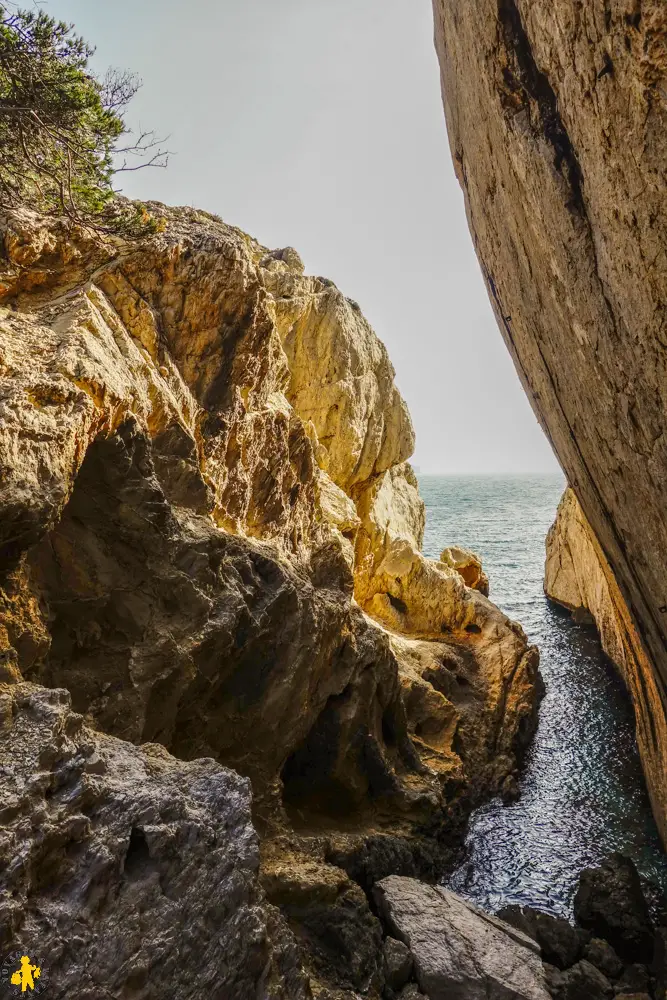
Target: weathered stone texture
[(203, 456), (127, 872), (203, 459), (460, 952), (557, 119)]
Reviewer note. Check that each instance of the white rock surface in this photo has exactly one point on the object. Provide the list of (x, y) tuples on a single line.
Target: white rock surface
[(460, 952)]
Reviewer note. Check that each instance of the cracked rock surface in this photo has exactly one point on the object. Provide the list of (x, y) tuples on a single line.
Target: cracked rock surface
[(211, 537), (460, 952), (128, 872)]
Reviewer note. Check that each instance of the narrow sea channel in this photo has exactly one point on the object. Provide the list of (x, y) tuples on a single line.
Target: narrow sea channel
[(582, 790)]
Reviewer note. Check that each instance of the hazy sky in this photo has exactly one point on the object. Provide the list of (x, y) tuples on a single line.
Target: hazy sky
[(318, 124)]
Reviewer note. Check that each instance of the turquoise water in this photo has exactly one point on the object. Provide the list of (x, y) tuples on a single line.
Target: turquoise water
[(582, 790)]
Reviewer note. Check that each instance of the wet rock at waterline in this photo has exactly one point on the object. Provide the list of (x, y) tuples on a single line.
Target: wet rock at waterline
[(626, 957), (611, 904), (463, 953), (601, 954), (560, 943)]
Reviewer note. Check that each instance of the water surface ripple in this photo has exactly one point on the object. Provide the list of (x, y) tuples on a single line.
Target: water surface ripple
[(582, 791)]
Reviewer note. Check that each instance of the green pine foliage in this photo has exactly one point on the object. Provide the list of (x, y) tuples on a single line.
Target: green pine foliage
[(63, 136)]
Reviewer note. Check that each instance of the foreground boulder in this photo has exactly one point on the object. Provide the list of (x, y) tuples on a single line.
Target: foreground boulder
[(601, 954), (460, 952), (126, 872), (397, 963), (468, 565)]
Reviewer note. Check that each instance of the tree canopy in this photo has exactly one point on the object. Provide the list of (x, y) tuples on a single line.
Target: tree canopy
[(63, 135)]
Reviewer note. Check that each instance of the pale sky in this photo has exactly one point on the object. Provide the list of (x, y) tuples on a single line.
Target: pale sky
[(318, 124)]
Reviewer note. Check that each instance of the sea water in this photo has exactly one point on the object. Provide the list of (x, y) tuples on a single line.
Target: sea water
[(582, 790)]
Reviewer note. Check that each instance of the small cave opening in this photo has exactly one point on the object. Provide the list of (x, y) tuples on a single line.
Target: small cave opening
[(390, 728), (397, 604), (310, 782), (306, 792), (137, 856), (340, 767)]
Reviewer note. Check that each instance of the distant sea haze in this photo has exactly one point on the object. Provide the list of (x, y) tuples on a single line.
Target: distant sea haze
[(582, 791)]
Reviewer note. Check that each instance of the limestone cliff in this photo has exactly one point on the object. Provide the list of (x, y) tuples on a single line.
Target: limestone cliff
[(557, 116), (578, 576), (210, 537)]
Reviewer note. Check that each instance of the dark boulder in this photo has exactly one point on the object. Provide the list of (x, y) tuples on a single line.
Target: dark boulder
[(610, 902), (635, 979), (581, 982), (411, 992), (397, 963), (659, 967), (601, 954), (560, 943)]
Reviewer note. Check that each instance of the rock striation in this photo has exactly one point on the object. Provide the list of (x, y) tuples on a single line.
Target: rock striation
[(578, 576), (557, 117), (211, 537)]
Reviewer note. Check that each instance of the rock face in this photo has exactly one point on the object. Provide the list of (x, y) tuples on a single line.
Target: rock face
[(460, 952), (210, 535), (111, 852), (581, 982), (557, 120), (578, 576)]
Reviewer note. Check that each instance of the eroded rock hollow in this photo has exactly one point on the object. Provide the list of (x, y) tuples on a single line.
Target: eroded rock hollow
[(211, 538), (557, 119)]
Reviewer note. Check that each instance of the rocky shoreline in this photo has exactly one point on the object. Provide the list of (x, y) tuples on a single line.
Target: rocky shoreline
[(444, 948), (243, 718), (211, 546)]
